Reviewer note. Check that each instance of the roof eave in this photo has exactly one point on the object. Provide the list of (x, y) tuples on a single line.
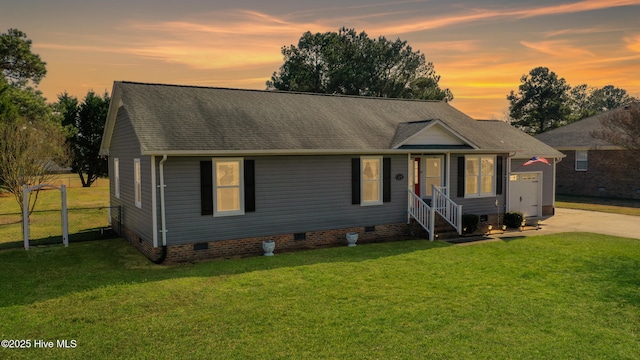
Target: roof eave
[(311, 152), (114, 105)]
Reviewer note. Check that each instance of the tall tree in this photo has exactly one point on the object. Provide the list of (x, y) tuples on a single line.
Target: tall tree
[(351, 63), (85, 122), (585, 101), (579, 103), (609, 97), (540, 103), (31, 138), (26, 151), (17, 62)]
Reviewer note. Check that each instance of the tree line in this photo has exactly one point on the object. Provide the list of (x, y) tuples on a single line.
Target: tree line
[(544, 101), (36, 137)]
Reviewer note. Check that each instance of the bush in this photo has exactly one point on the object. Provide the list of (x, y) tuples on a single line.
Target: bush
[(470, 222), (513, 219)]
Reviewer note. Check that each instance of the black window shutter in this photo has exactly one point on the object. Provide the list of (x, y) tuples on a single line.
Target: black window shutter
[(206, 188), (499, 177), (249, 186), (386, 180), (461, 176), (355, 181)]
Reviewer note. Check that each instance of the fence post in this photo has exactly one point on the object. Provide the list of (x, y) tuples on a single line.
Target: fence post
[(65, 215), (25, 216)]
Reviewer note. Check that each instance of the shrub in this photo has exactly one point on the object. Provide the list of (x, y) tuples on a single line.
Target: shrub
[(470, 222), (513, 219)]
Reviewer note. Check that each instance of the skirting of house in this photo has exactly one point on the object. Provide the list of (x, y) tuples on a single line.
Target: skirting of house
[(235, 248), (244, 247)]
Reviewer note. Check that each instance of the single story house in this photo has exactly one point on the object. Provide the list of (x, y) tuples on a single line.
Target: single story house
[(202, 172), (593, 167)]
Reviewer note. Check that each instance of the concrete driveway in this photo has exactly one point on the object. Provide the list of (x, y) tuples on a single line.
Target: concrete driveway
[(571, 220)]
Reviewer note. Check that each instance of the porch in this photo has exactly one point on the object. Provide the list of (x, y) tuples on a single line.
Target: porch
[(428, 195)]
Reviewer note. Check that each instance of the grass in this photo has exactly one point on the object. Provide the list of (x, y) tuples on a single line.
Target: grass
[(609, 205), (46, 220), (558, 296)]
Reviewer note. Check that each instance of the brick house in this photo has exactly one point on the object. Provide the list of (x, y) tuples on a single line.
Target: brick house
[(593, 167)]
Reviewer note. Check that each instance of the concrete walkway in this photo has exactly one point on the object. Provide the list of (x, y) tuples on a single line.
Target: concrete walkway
[(572, 220)]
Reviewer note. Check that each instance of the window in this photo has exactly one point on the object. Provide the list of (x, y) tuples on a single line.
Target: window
[(479, 176), (137, 183), (116, 176), (581, 160), (371, 180), (228, 175)]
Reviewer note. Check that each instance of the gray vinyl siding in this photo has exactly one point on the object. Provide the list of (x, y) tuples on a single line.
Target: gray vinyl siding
[(482, 205), (126, 148), (293, 194), (547, 177)]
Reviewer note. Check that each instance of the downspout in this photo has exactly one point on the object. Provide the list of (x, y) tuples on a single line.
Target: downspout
[(507, 187), (409, 180), (163, 219)]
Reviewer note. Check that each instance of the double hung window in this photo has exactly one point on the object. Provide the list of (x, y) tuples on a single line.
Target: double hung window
[(228, 186), (479, 176), (371, 180)]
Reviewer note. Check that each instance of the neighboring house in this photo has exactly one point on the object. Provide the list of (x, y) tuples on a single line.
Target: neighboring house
[(209, 172), (592, 167)]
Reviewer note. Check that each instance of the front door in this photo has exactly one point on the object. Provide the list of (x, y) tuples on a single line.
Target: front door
[(433, 174), (427, 171)]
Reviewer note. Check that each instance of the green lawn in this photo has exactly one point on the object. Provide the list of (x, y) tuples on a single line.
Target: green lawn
[(610, 205), (45, 222), (566, 296)]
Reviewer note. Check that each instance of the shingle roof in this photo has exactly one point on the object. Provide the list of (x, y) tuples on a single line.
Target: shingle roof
[(189, 119), (577, 135), (511, 138)]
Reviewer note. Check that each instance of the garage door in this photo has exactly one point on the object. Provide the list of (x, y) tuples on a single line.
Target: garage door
[(524, 193)]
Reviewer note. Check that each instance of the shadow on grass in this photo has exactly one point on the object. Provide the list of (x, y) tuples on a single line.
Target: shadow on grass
[(53, 271), (98, 233)]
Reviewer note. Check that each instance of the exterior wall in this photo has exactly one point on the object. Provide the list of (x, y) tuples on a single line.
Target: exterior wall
[(547, 181), (125, 147), (477, 206), (610, 173), (294, 194)]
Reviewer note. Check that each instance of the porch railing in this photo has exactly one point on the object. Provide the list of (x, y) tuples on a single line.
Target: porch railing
[(423, 213), (449, 210)]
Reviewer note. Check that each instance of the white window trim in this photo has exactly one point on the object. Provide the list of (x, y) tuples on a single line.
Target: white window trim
[(586, 160), (137, 183), (116, 175), (216, 212), (480, 194), (362, 181)]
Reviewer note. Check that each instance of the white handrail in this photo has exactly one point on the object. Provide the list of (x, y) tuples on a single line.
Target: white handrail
[(422, 212), (447, 208)]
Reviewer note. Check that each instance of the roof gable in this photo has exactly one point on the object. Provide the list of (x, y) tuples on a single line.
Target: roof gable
[(431, 133)]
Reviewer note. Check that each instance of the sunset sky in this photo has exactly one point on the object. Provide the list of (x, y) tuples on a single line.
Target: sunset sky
[(479, 48)]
